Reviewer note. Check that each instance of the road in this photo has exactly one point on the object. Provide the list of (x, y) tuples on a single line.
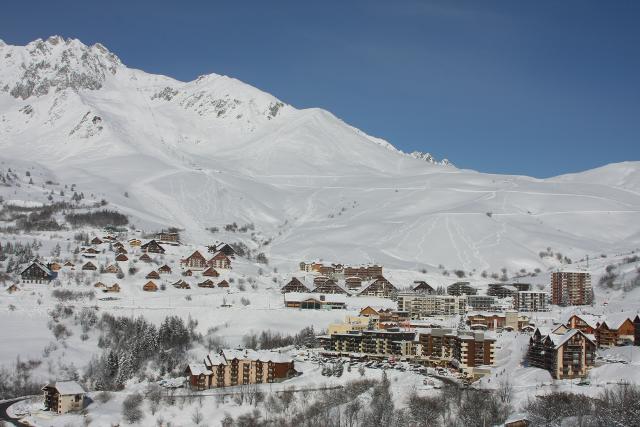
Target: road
[(4, 417)]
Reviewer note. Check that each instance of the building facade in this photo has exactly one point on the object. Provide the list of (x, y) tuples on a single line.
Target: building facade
[(419, 305), (571, 288), (564, 353), (531, 301)]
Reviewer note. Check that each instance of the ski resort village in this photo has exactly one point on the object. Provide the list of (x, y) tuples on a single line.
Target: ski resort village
[(203, 254)]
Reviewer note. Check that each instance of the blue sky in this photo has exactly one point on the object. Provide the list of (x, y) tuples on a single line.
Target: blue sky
[(537, 88)]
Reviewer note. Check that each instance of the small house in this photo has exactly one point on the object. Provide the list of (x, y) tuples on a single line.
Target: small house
[(219, 260), (294, 285), (96, 241), (150, 287), (89, 266), (112, 268), (145, 258), (63, 397), (194, 261), (134, 243), (181, 284), (122, 258), (121, 251), (115, 288), (223, 284), (165, 269), (153, 275), (206, 284), (13, 288), (99, 285), (211, 272), (152, 247), (187, 273), (69, 264)]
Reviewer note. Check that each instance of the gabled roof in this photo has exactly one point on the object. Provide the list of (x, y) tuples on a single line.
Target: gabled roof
[(199, 369), (66, 387), (591, 320), (41, 266)]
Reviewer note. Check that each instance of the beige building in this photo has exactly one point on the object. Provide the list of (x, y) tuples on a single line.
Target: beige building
[(63, 397), (419, 305)]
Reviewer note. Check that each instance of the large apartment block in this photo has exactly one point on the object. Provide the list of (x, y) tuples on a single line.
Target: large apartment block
[(462, 349), (419, 305), (531, 301), (571, 288), (238, 367), (377, 342)]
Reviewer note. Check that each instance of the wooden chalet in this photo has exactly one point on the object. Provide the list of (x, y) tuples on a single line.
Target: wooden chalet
[(329, 287), (153, 275), (96, 241), (221, 247), (99, 285), (168, 236), (121, 251), (207, 284), (380, 287), (616, 331), (122, 258), (210, 272), (112, 268), (150, 286), (165, 269), (89, 266), (195, 261), (152, 247), (219, 260), (115, 288), (181, 284), (420, 286), (69, 264), (37, 272), (145, 258), (187, 273), (13, 288), (90, 251), (585, 322), (223, 284), (319, 280), (564, 353), (294, 285), (117, 245)]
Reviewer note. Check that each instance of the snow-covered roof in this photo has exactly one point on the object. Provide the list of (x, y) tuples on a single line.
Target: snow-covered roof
[(615, 320), (261, 355), (302, 296), (66, 387), (590, 319), (215, 360), (199, 369)]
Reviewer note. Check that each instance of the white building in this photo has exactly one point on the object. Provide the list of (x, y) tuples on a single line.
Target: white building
[(531, 301)]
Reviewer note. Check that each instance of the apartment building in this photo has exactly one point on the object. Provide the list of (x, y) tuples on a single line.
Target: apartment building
[(571, 288), (419, 305), (531, 301)]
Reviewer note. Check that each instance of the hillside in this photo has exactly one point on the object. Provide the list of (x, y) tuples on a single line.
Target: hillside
[(214, 151)]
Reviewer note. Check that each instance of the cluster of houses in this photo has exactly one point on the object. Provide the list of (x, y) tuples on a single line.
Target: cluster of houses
[(568, 351), (219, 256), (341, 271), (240, 367)]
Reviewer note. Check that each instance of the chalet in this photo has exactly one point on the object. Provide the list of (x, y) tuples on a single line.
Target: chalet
[(150, 287), (181, 284), (13, 288), (109, 238), (294, 285), (207, 284), (319, 280), (461, 288), (96, 241), (380, 287), (222, 247), (306, 301), (122, 258), (63, 397), (115, 288), (219, 260), (69, 264), (89, 266), (187, 273), (237, 367), (223, 284), (165, 269), (153, 275), (329, 287), (121, 251), (145, 258), (587, 323), (353, 283), (194, 261), (565, 354), (135, 243), (118, 245), (168, 236), (113, 269), (37, 272), (152, 247), (54, 266), (210, 272), (99, 285), (615, 331), (90, 251), (423, 287)]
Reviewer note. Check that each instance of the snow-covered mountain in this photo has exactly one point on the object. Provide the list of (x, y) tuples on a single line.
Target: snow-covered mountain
[(214, 150)]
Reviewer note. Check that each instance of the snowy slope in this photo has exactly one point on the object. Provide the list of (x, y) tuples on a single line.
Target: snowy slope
[(215, 150)]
